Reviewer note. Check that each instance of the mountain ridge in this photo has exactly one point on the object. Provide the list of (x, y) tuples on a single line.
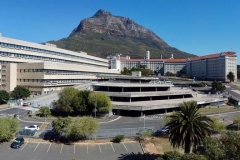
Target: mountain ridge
[(105, 34)]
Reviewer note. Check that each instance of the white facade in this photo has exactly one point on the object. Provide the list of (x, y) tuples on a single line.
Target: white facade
[(209, 67), (45, 68), (147, 54), (213, 67)]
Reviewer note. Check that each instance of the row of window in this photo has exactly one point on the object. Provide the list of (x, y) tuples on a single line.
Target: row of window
[(60, 72), (19, 47), (52, 82), (16, 55)]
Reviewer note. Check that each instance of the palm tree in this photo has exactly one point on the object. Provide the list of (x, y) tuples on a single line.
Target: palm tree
[(187, 127)]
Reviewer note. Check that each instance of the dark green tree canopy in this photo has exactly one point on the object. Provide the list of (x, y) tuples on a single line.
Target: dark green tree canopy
[(45, 111), (218, 86), (8, 127), (20, 92), (231, 76), (61, 125), (102, 101), (187, 127), (80, 102), (4, 96), (65, 100)]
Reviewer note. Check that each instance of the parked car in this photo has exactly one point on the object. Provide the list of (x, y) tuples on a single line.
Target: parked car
[(27, 132), (32, 127), (50, 135), (25, 104), (17, 143), (164, 131)]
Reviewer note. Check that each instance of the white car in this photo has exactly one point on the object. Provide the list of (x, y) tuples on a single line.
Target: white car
[(32, 127)]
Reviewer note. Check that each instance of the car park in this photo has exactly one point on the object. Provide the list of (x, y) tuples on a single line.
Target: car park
[(17, 143), (32, 127)]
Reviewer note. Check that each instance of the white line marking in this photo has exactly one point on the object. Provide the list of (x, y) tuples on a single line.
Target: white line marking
[(87, 148), (36, 147), (100, 148), (74, 149), (61, 148), (49, 147), (24, 145), (125, 146), (112, 147), (111, 120)]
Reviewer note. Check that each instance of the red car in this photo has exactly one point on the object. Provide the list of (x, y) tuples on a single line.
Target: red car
[(25, 104)]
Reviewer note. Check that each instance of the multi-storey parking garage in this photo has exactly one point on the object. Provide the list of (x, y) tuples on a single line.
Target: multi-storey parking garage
[(143, 97)]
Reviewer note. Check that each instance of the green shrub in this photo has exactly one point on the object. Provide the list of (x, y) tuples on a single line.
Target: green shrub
[(192, 156), (172, 155), (118, 138)]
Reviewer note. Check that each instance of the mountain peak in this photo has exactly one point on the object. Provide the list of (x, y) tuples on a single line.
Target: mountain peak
[(105, 33), (101, 12)]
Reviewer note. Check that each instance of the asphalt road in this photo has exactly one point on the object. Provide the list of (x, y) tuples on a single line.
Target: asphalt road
[(230, 89)]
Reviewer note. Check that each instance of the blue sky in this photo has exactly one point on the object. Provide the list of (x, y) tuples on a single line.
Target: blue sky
[(199, 27)]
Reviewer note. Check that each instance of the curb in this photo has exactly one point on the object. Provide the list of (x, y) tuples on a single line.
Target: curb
[(143, 150)]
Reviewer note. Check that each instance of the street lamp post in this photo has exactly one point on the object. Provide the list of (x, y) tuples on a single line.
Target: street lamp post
[(144, 121), (95, 116), (95, 109)]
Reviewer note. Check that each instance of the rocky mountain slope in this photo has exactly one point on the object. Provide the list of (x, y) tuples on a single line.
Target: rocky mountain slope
[(104, 34)]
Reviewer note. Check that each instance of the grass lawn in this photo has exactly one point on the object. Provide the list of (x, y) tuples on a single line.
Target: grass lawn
[(236, 83), (208, 110), (162, 144)]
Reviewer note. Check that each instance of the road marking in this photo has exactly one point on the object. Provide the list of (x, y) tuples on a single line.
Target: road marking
[(61, 148), (24, 145), (112, 147), (87, 148), (36, 147), (4, 109), (125, 146), (100, 148), (49, 147), (111, 120), (74, 149)]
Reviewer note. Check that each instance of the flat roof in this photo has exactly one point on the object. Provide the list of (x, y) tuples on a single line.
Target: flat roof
[(114, 84), (128, 77), (161, 104)]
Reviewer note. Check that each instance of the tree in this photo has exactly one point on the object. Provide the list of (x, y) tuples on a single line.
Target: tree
[(45, 111), (65, 100), (187, 127), (217, 126), (61, 125), (101, 100), (237, 120), (227, 146), (218, 86), (4, 96), (82, 127), (125, 71), (20, 92), (80, 101), (8, 126), (231, 76)]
